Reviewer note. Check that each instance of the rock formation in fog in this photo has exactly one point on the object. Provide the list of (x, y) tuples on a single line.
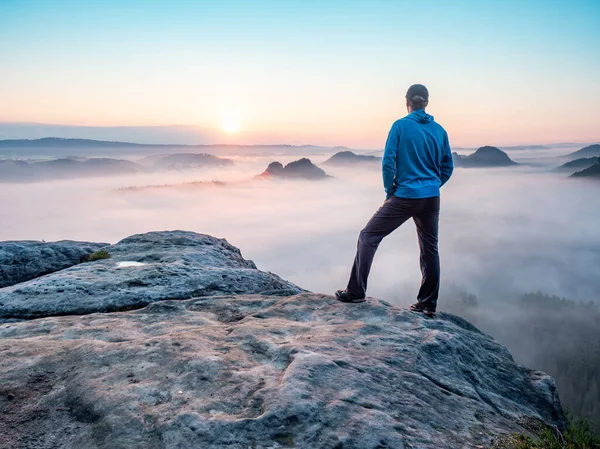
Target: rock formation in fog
[(64, 168), (70, 168), (55, 146), (300, 169), (484, 157), (348, 158), (63, 143), (179, 161), (220, 354), (589, 151), (590, 172), (584, 162)]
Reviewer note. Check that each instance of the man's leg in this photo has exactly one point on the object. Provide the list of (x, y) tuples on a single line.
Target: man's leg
[(427, 221), (389, 217)]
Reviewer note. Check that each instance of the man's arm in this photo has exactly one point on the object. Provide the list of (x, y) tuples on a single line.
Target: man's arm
[(389, 161), (447, 165)]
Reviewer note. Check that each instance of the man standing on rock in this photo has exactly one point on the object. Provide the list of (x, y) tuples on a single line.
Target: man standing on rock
[(417, 161)]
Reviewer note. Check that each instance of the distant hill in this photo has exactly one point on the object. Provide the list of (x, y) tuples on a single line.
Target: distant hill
[(583, 162), (62, 143), (348, 158), (300, 169), (484, 157), (179, 161), (589, 151), (59, 142), (546, 146), (590, 172), (526, 147), (64, 168), (76, 167), (60, 147)]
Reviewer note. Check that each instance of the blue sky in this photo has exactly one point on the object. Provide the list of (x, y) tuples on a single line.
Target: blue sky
[(324, 72)]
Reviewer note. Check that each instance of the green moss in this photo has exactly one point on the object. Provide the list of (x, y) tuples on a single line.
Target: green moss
[(285, 439), (98, 255), (576, 436)]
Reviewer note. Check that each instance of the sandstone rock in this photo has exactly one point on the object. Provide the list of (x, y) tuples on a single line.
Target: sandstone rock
[(274, 169), (484, 157), (253, 371), (581, 163), (21, 261), (300, 169), (348, 158), (589, 151), (169, 265), (590, 172), (64, 168), (219, 354)]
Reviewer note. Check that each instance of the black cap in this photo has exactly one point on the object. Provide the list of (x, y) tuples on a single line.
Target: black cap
[(417, 90)]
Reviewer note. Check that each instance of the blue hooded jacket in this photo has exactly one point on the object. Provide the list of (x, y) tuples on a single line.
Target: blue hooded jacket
[(417, 160)]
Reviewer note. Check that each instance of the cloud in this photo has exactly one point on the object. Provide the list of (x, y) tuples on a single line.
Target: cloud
[(504, 232)]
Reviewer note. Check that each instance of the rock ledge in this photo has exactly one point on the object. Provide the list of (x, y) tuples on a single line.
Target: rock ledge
[(243, 370)]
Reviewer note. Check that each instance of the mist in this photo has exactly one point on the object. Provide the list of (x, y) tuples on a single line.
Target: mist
[(503, 231)]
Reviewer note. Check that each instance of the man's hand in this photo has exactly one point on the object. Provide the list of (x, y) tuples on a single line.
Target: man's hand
[(390, 192)]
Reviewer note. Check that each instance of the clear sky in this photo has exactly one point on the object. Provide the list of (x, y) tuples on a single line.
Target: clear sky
[(325, 72)]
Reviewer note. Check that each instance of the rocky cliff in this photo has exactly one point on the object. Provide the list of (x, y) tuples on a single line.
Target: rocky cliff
[(589, 151), (348, 158), (300, 169), (581, 163), (64, 168), (592, 171), (21, 261), (177, 341), (484, 157)]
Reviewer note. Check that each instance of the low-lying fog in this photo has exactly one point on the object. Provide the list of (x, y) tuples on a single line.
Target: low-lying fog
[(504, 231)]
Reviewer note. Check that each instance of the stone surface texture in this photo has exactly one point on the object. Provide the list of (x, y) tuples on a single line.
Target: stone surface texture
[(21, 261), (176, 265), (228, 366)]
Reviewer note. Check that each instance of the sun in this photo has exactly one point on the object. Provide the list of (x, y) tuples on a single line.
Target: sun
[(230, 125)]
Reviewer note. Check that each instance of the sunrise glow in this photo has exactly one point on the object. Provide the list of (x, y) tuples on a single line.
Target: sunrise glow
[(230, 125)]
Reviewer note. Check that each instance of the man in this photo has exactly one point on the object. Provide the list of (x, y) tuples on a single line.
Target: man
[(417, 161)]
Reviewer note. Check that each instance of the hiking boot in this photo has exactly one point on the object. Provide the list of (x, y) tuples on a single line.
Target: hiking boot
[(420, 308), (346, 296)]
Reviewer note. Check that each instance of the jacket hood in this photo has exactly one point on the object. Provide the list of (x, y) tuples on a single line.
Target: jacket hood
[(420, 116)]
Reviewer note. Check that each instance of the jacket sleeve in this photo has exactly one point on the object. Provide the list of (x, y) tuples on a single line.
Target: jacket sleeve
[(447, 166), (389, 160)]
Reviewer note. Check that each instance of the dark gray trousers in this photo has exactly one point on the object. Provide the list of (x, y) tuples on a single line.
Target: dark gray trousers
[(395, 211)]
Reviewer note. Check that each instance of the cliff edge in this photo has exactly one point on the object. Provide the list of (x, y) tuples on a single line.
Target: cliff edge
[(176, 341)]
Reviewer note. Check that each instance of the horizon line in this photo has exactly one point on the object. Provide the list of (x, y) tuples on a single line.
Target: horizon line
[(198, 127), (117, 142)]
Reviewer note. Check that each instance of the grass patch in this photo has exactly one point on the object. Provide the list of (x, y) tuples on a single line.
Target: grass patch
[(98, 255), (577, 435)]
